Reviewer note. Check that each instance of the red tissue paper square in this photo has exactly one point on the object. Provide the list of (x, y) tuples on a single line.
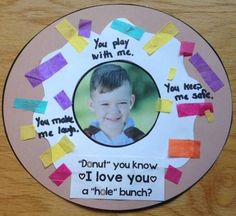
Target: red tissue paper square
[(60, 174), (186, 48), (173, 174)]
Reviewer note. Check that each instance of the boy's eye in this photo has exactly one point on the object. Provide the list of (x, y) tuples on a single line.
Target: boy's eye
[(104, 104), (123, 102)]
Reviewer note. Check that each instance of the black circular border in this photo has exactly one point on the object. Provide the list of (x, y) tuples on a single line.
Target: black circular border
[(102, 5)]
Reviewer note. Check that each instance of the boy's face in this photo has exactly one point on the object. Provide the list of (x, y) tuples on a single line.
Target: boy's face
[(112, 108)]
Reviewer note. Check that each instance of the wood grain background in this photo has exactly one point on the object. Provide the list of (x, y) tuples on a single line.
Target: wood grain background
[(215, 194)]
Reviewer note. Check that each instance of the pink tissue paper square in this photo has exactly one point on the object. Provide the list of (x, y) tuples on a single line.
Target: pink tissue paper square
[(173, 174), (60, 174), (186, 48)]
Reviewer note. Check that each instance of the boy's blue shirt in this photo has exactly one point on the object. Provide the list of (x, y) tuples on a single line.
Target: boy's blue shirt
[(120, 140)]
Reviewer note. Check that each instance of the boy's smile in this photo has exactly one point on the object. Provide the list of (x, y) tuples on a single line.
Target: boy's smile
[(112, 109)]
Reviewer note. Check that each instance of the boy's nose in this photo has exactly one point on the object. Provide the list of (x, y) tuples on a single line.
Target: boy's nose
[(114, 108)]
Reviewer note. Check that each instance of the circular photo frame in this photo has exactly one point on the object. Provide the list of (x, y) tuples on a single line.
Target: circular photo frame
[(178, 94), (107, 99)]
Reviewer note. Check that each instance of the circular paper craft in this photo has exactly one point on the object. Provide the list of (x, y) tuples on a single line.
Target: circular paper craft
[(113, 110)]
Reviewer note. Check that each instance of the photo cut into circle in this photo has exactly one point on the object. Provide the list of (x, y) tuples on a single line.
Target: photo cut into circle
[(114, 103)]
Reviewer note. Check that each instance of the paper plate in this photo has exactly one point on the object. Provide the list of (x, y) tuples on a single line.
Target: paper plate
[(117, 107)]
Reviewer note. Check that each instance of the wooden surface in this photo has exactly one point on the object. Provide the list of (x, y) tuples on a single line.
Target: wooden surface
[(215, 194)]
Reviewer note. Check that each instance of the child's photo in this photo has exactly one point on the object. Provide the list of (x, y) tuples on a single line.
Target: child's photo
[(110, 112)]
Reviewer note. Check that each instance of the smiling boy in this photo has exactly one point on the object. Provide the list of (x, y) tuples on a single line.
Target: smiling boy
[(111, 100)]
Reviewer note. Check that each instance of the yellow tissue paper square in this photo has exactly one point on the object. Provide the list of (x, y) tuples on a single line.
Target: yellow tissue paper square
[(69, 32), (27, 132), (161, 38), (209, 115), (57, 151), (164, 105), (171, 74)]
